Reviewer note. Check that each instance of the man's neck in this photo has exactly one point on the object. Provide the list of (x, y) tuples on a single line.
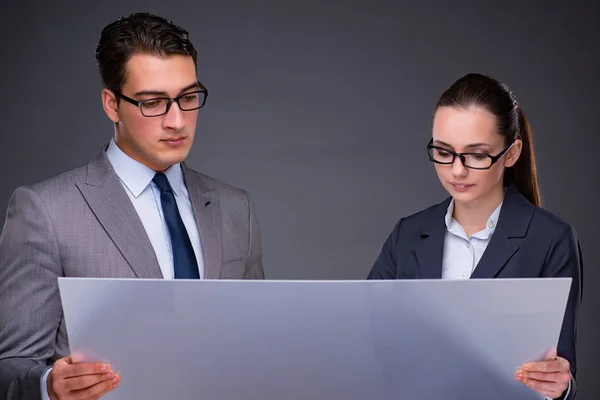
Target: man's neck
[(129, 152)]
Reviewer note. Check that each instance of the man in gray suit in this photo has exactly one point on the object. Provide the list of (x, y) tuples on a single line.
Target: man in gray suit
[(134, 211)]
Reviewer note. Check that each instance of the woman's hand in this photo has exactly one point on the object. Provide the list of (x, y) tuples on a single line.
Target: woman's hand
[(550, 377)]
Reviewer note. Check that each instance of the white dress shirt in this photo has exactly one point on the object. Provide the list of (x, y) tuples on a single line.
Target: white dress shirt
[(462, 253), (136, 179)]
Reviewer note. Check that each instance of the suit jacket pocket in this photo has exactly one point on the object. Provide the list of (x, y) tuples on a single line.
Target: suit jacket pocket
[(233, 269)]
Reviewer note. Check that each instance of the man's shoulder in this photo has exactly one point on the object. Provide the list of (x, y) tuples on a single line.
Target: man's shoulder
[(56, 194), (62, 182)]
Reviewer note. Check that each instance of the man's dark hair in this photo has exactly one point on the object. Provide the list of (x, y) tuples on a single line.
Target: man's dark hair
[(139, 33)]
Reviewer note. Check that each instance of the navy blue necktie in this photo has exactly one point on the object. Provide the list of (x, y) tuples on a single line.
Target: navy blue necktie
[(184, 259)]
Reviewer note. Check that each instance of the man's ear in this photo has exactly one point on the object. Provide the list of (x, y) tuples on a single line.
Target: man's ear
[(109, 102)]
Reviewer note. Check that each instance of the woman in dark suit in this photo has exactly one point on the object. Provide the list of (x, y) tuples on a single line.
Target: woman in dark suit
[(492, 225)]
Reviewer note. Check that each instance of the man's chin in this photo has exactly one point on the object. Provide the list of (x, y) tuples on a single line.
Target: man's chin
[(173, 156), (163, 163), (166, 164)]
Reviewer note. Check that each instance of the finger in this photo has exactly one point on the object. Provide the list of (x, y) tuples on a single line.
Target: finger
[(113, 386), (64, 387), (543, 366), (549, 389), (95, 391), (75, 370), (557, 377), (84, 382), (557, 365)]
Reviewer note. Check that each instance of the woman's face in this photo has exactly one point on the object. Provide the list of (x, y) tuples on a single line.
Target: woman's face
[(470, 130)]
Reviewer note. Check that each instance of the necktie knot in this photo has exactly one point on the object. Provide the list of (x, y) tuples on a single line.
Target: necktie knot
[(162, 182)]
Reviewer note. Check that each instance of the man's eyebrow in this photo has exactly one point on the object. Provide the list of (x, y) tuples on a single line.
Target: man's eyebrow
[(194, 85), (163, 93), (150, 92)]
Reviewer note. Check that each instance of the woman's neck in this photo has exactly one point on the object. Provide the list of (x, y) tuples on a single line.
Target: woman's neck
[(473, 216)]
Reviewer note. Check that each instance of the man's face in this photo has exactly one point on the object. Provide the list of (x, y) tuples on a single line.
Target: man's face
[(161, 141)]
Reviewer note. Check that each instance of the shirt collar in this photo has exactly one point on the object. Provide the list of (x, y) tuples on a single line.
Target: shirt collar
[(452, 225), (175, 177), (136, 176)]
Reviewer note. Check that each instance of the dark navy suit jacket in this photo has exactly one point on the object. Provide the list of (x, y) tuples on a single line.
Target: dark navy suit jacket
[(528, 242)]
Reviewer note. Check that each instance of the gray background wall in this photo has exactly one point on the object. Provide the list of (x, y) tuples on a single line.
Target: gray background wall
[(322, 111)]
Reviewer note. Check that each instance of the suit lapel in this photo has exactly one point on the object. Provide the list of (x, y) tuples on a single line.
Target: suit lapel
[(430, 249), (110, 204), (205, 204), (513, 222), (496, 255)]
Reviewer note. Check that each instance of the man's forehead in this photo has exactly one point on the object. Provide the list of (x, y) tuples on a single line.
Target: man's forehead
[(169, 74)]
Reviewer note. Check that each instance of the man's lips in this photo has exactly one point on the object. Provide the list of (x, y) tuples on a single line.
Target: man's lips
[(174, 140)]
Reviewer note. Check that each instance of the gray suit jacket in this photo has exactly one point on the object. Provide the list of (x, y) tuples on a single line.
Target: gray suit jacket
[(81, 223)]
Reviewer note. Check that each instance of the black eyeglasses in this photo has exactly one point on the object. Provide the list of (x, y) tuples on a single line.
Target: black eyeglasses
[(442, 155), (158, 106)]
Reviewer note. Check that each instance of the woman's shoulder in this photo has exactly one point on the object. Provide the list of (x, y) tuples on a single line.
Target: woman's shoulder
[(550, 223), (521, 217), (547, 217)]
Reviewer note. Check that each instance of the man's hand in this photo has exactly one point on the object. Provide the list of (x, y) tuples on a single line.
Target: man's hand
[(550, 378), (71, 381)]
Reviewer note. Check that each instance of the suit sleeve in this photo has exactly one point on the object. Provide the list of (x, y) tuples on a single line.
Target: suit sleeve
[(565, 260), (254, 266), (385, 264), (30, 308)]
